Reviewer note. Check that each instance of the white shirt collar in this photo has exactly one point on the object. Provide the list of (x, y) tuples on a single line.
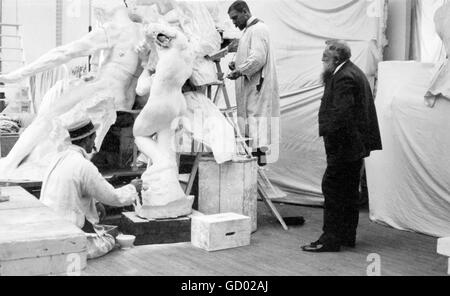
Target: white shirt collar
[(79, 149), (250, 20), (339, 67)]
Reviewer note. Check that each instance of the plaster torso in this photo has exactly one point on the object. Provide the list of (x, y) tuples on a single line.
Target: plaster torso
[(166, 100), (120, 68)]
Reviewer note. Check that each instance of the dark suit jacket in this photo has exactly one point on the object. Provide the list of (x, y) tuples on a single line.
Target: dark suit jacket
[(347, 117)]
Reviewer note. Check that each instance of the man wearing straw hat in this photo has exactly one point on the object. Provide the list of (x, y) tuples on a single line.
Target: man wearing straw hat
[(72, 184)]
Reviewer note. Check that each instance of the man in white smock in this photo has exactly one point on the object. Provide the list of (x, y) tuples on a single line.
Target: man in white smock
[(73, 185), (257, 95)]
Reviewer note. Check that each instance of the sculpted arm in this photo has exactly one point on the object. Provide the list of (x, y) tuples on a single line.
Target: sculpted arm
[(87, 45)]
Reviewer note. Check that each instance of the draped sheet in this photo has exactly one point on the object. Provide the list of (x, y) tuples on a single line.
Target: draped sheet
[(408, 182)]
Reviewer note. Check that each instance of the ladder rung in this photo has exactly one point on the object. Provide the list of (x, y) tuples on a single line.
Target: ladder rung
[(10, 86), (12, 61), (11, 36), (216, 83), (10, 25), (18, 101), (12, 48)]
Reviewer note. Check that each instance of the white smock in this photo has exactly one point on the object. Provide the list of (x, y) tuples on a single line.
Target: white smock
[(257, 94), (72, 185)]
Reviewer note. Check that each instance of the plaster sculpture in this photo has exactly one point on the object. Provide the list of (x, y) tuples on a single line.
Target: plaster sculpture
[(440, 86), (109, 89), (154, 128), (195, 21)]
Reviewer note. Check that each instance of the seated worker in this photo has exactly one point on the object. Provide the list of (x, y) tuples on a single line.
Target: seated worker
[(73, 185)]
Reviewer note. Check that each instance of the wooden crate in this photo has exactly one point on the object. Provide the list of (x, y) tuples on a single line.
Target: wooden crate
[(34, 240), (149, 232), (7, 142), (228, 188), (443, 248), (220, 231)]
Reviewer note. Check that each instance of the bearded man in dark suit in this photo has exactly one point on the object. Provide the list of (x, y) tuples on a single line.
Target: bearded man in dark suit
[(349, 126)]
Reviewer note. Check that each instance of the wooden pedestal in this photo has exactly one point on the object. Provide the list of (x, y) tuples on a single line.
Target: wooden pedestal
[(150, 232), (228, 188)]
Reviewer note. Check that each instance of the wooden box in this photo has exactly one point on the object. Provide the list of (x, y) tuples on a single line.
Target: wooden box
[(149, 232), (34, 240), (228, 188), (7, 142), (220, 231), (443, 248)]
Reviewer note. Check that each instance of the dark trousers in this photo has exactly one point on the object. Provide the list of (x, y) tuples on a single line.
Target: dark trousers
[(340, 187)]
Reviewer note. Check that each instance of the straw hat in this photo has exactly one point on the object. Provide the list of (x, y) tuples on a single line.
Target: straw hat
[(82, 129)]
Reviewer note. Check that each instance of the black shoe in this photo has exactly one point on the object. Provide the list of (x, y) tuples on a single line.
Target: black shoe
[(350, 243), (321, 247)]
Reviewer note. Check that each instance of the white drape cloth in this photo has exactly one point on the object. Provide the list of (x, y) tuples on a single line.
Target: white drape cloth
[(408, 181)]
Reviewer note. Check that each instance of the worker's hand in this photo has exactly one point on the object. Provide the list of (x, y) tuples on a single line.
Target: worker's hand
[(232, 66), (234, 75), (101, 211), (137, 183), (233, 46)]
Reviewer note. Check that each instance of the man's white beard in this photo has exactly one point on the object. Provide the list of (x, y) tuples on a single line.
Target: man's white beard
[(327, 73)]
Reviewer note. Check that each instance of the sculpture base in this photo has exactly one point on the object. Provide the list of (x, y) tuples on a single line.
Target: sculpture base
[(150, 232), (178, 208)]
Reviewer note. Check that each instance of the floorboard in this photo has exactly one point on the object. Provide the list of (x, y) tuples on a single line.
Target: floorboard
[(276, 252)]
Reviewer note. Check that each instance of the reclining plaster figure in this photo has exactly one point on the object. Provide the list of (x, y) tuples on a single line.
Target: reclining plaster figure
[(113, 84)]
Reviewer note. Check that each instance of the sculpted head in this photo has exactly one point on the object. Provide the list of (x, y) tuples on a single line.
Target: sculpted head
[(165, 36)]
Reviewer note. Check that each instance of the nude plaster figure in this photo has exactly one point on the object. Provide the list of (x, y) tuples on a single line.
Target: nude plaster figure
[(154, 128)]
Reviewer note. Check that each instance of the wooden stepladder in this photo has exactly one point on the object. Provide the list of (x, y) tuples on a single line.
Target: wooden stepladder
[(266, 190)]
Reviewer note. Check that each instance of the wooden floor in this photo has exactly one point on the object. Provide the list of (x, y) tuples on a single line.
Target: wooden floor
[(276, 252)]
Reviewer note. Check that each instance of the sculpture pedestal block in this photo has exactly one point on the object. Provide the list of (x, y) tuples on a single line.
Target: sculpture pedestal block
[(175, 209), (228, 188), (151, 232)]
